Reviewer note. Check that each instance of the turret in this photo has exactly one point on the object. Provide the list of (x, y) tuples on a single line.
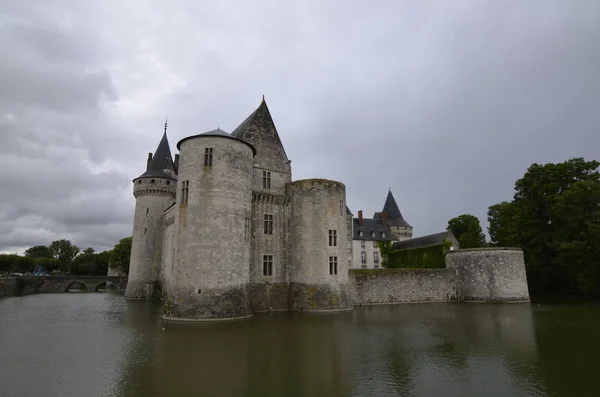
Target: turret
[(154, 191), (392, 217), (210, 274)]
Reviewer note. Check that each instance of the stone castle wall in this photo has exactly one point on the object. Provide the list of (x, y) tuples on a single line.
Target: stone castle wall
[(153, 197), (490, 274), (317, 206), (210, 277), (370, 287)]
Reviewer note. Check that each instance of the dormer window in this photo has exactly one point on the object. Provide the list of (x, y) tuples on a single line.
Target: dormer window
[(382, 234), (360, 233), (372, 234)]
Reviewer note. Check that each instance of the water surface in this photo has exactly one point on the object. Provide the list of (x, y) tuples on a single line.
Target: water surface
[(98, 344)]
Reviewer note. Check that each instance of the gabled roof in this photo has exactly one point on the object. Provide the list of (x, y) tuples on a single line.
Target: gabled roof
[(424, 241), (368, 226), (395, 217), (161, 160), (259, 128)]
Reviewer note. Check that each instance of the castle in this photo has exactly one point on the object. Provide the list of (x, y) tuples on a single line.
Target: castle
[(221, 231)]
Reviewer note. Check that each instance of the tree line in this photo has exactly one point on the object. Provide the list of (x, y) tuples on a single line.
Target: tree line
[(554, 217), (62, 256)]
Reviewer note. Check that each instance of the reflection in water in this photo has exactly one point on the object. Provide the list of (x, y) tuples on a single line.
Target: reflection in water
[(100, 344)]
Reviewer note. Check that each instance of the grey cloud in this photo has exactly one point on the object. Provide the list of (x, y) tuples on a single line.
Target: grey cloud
[(446, 103)]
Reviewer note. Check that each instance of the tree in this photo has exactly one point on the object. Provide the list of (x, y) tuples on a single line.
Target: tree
[(84, 263), (467, 230), (554, 218), (39, 251), (64, 251), (121, 254)]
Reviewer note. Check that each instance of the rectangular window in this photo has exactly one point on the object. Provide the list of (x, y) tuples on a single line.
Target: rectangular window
[(185, 188), (362, 244), (266, 179), (267, 265), (208, 157), (376, 257), (342, 212), (333, 265), (363, 257), (382, 234), (333, 238), (374, 244), (268, 224), (247, 229)]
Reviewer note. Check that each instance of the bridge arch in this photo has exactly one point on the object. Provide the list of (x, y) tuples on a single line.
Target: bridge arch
[(101, 287), (71, 283)]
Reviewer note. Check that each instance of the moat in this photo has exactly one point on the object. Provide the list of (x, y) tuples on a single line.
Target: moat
[(99, 344)]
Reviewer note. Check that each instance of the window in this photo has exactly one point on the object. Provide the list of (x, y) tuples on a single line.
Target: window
[(147, 209), (152, 181), (364, 266), (376, 257), (266, 179), (341, 207), (168, 182), (362, 244), (372, 234), (360, 233), (333, 265), (374, 244), (363, 257), (267, 265), (145, 230), (382, 234), (208, 157), (185, 188), (247, 229), (376, 266), (268, 224), (333, 238)]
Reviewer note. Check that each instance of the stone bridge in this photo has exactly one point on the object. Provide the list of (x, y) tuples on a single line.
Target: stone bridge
[(47, 284)]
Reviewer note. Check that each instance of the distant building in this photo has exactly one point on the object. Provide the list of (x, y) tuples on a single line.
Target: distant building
[(428, 241)]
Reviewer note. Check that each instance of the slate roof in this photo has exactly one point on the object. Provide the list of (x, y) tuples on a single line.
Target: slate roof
[(259, 128), (161, 160), (216, 132), (395, 217), (424, 241), (368, 226), (348, 212)]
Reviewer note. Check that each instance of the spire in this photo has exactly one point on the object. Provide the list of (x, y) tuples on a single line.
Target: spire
[(395, 217), (259, 129), (162, 159)]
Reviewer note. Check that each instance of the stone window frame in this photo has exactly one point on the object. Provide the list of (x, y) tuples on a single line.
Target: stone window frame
[(376, 257), (268, 223), (208, 156), (268, 265), (332, 237), (266, 179), (333, 265), (363, 256), (185, 191)]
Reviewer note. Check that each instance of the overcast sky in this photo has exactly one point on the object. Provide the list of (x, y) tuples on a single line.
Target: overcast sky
[(445, 102)]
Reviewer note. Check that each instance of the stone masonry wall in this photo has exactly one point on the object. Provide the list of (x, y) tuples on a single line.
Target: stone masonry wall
[(211, 273), (490, 274), (369, 287)]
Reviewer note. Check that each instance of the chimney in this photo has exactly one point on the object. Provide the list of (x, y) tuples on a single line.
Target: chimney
[(149, 160), (177, 163), (384, 217), (360, 218)]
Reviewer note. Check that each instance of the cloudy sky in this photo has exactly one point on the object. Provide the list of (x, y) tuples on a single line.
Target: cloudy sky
[(446, 102)]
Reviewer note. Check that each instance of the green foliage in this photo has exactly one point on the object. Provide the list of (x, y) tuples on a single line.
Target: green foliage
[(467, 230), (121, 254), (16, 263), (431, 257), (385, 248), (39, 251), (64, 251), (555, 218), (50, 264)]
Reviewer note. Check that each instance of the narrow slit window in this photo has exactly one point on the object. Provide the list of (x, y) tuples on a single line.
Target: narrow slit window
[(363, 257), (268, 224), (333, 238), (208, 157), (267, 265), (185, 188), (266, 179), (333, 265)]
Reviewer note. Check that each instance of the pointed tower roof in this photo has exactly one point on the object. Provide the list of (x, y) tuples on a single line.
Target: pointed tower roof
[(395, 217), (259, 128), (161, 160)]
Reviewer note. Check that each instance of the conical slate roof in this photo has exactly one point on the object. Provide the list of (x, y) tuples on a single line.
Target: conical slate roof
[(161, 160), (395, 217), (259, 129)]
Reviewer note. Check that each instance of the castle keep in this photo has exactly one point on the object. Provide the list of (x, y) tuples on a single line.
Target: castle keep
[(221, 231)]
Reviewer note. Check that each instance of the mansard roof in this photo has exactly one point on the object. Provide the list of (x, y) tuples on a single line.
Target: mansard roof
[(395, 217), (161, 160), (425, 241), (368, 226), (259, 128)]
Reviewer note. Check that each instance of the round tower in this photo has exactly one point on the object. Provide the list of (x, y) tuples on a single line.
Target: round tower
[(318, 246), (211, 271), (154, 191)]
